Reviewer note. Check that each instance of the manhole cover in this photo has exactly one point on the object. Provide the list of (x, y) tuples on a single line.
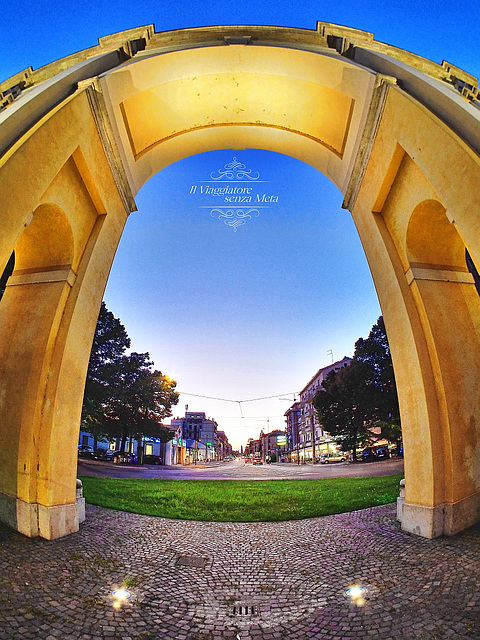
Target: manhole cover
[(191, 561)]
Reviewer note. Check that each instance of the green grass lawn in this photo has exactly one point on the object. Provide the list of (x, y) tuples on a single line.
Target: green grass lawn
[(241, 500)]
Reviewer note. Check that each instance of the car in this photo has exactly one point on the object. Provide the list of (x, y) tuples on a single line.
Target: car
[(149, 458), (382, 453), (368, 454), (327, 458), (121, 457), (257, 461), (85, 451), (104, 454)]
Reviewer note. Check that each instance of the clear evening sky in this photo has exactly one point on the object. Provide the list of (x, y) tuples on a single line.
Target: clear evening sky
[(252, 313)]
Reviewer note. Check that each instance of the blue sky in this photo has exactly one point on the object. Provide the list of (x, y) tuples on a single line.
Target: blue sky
[(252, 313)]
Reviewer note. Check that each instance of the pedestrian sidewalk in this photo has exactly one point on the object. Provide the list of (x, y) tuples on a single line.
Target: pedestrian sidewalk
[(264, 581)]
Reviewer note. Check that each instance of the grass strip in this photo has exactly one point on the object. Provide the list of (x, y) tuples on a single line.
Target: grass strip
[(241, 500)]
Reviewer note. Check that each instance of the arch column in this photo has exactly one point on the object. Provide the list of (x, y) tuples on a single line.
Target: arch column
[(64, 251), (406, 213), (31, 313)]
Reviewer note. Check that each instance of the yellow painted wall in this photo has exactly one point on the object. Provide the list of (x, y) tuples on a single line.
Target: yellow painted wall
[(415, 202)]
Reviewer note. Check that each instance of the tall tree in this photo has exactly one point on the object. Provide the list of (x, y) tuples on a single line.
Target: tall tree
[(124, 396), (143, 398), (109, 345), (344, 406), (355, 399), (375, 352)]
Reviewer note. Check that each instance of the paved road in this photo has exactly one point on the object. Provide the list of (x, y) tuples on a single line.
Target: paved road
[(237, 470)]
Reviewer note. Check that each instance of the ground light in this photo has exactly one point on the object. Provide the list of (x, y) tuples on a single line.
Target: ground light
[(120, 596), (356, 593)]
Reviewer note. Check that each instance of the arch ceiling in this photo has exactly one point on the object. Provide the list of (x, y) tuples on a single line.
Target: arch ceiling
[(169, 94)]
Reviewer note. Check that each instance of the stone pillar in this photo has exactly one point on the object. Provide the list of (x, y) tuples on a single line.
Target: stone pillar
[(80, 502), (400, 500)]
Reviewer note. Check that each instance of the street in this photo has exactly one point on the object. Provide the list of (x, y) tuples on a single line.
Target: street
[(239, 470)]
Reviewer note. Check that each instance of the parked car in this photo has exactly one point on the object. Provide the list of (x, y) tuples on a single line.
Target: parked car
[(149, 458), (333, 457), (368, 455), (121, 457), (85, 451), (382, 453), (104, 454), (257, 461)]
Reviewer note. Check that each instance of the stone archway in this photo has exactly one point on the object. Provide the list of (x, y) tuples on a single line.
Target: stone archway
[(393, 131)]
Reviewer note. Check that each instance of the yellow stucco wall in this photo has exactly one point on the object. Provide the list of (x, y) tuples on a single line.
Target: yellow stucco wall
[(66, 185)]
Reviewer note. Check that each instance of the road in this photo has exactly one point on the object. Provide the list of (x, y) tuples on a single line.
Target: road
[(238, 470)]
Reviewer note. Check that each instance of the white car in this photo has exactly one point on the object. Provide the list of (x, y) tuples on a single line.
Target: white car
[(340, 456)]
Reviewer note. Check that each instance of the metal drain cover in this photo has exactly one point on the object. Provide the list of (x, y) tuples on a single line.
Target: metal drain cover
[(191, 561), (244, 610)]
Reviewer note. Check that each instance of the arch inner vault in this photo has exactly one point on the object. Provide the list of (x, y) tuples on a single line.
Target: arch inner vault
[(399, 136)]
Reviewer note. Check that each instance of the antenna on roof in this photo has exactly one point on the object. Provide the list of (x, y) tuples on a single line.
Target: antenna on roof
[(330, 351)]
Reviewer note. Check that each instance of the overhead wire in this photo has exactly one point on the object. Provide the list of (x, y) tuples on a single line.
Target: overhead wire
[(240, 402), (197, 395)]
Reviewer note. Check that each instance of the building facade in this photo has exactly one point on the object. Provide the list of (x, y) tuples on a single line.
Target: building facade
[(198, 433), (270, 446), (292, 418), (222, 446), (313, 441)]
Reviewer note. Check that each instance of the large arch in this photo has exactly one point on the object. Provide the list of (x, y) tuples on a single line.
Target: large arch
[(399, 136)]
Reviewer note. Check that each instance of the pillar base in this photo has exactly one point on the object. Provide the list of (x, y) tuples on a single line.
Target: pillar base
[(33, 519), (80, 502), (58, 521), (446, 519)]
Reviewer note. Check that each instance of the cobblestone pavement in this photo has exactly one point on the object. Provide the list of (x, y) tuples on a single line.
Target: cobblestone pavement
[(262, 581)]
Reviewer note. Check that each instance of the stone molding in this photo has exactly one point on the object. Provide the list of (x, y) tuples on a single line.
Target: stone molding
[(432, 273), (40, 277), (375, 112), (105, 131)]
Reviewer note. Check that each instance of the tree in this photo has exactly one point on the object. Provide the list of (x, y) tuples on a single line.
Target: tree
[(357, 398), (109, 345), (375, 352), (143, 398), (389, 431), (343, 406), (124, 398)]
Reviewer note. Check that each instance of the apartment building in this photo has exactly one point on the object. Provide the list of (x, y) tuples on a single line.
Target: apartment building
[(312, 440)]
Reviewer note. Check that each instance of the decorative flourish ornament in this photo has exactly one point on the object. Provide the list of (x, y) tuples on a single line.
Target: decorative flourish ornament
[(234, 217), (235, 170)]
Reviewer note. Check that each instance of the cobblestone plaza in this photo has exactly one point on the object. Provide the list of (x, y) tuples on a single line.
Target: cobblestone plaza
[(263, 581)]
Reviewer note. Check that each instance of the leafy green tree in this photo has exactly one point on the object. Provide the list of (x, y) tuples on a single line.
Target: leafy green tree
[(343, 406), (124, 397), (357, 398), (375, 352), (109, 345), (143, 398), (389, 431)]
